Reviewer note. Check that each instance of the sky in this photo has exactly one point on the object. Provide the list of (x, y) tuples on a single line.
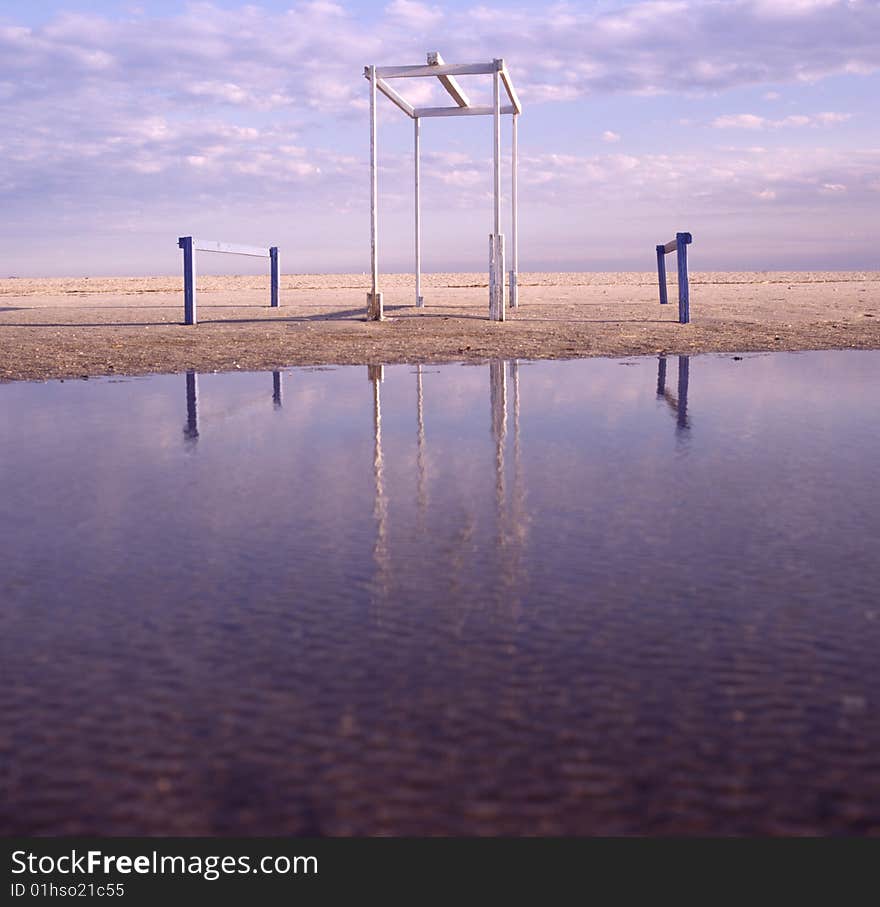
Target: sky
[(751, 124)]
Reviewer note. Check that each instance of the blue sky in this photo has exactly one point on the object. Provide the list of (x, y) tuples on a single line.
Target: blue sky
[(750, 123)]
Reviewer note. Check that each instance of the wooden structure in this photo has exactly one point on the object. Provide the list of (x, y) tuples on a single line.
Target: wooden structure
[(679, 246), (380, 78), (190, 246)]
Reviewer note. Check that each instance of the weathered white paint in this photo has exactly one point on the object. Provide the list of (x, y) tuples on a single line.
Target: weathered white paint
[(461, 111), (374, 298), (511, 91), (449, 82), (417, 144), (437, 68), (447, 69), (496, 147), (513, 280), (496, 278), (209, 245), (394, 96)]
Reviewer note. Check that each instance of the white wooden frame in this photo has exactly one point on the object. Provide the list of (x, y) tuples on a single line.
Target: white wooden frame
[(379, 78)]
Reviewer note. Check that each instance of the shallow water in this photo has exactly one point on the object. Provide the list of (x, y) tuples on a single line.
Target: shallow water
[(596, 596)]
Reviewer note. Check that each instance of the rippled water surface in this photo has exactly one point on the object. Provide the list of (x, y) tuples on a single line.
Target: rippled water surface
[(596, 596)]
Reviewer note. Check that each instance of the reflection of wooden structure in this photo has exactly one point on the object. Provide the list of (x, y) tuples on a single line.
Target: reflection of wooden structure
[(276, 390), (510, 511), (511, 518), (376, 375), (498, 408), (379, 78), (421, 462), (191, 429), (678, 402)]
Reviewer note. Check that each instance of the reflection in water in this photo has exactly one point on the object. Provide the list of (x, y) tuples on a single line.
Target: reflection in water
[(487, 626), (421, 464), (679, 402), (498, 406), (376, 375), (191, 429), (276, 389)]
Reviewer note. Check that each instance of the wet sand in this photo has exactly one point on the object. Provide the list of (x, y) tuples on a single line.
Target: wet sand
[(80, 327)]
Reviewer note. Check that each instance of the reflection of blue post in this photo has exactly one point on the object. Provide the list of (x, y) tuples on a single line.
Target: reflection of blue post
[(683, 374), (276, 388), (191, 431), (684, 310), (661, 376), (273, 257), (661, 273), (189, 279)]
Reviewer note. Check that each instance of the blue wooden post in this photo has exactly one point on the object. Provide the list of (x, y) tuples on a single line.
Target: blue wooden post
[(682, 402), (661, 273), (681, 244), (189, 279), (273, 256)]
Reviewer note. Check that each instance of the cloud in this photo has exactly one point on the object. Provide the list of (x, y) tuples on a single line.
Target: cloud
[(752, 121), (221, 107), (413, 14)]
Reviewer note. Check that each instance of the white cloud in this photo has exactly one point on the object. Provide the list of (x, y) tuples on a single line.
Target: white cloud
[(414, 14), (739, 121), (610, 137), (204, 107), (752, 121)]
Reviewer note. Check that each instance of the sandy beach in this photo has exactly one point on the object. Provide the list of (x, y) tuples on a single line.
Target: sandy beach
[(82, 327)]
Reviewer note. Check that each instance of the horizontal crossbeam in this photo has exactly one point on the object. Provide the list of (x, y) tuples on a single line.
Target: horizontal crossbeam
[(460, 111), (672, 245), (447, 69), (209, 245)]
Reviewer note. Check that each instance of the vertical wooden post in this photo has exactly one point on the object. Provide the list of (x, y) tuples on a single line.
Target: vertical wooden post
[(496, 240), (496, 145), (514, 214), (492, 277), (661, 273), (374, 298), (681, 244), (496, 277), (684, 363), (191, 431), (189, 279), (275, 278), (417, 143)]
